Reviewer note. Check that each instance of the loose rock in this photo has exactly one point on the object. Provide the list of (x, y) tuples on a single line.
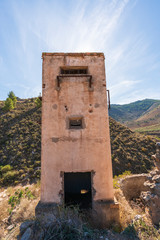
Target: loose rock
[(27, 235), (25, 225)]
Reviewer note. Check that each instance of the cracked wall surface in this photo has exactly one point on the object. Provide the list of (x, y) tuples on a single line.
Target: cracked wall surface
[(75, 150)]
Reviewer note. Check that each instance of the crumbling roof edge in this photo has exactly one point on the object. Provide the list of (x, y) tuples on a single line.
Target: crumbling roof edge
[(79, 54)]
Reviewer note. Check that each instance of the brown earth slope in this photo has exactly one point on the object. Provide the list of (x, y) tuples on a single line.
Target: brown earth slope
[(20, 145), (130, 151)]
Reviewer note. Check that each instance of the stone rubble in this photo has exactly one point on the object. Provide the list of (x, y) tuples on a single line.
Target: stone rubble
[(151, 198), (27, 235), (133, 185), (25, 225)]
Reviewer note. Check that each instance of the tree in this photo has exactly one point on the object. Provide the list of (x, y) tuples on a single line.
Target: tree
[(13, 97), (8, 104)]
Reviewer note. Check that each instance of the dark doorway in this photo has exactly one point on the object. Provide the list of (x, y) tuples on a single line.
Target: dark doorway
[(77, 189)]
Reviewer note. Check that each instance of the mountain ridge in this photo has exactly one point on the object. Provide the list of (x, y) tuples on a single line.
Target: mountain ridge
[(142, 116), (131, 111)]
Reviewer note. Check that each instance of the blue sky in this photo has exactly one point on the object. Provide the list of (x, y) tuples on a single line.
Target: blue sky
[(127, 31)]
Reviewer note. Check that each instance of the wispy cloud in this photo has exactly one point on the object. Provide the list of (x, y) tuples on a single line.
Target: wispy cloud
[(85, 27), (82, 25)]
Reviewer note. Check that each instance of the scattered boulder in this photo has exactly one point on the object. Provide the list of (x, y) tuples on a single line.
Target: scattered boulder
[(156, 157), (156, 178), (151, 198), (25, 225), (147, 187), (27, 235), (10, 227), (132, 186)]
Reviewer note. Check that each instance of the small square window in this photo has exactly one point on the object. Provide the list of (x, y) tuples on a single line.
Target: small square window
[(75, 123)]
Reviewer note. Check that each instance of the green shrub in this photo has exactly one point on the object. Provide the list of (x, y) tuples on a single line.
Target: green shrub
[(15, 199), (146, 231), (16, 182), (28, 194), (38, 102), (117, 178), (10, 176), (6, 168), (37, 173), (8, 104), (130, 231), (13, 97), (21, 171)]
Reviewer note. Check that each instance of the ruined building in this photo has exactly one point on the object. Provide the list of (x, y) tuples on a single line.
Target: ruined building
[(76, 152)]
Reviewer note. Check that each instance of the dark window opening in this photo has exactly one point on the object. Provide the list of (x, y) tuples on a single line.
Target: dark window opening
[(77, 189), (75, 123), (74, 71)]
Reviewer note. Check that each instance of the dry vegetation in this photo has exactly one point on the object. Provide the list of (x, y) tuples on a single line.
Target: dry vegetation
[(130, 151), (20, 145), (20, 141), (22, 211), (134, 221)]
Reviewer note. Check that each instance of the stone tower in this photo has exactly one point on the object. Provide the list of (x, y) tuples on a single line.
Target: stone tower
[(76, 153)]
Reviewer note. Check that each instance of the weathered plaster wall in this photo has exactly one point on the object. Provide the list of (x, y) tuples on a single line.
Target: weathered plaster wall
[(66, 150)]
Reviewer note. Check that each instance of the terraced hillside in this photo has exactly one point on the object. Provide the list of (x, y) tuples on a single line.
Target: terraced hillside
[(20, 145)]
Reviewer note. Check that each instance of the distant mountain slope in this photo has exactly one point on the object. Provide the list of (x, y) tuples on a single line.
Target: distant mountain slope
[(20, 145), (132, 111), (150, 118)]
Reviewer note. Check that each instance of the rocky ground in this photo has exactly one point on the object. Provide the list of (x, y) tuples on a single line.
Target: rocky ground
[(17, 219), (20, 166)]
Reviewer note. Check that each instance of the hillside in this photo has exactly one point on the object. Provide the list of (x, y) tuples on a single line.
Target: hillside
[(130, 151), (132, 111), (20, 144), (141, 116), (148, 122)]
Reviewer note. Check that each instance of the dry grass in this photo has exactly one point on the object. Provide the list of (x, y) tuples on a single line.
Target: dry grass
[(127, 214), (3, 207), (22, 212), (25, 211)]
